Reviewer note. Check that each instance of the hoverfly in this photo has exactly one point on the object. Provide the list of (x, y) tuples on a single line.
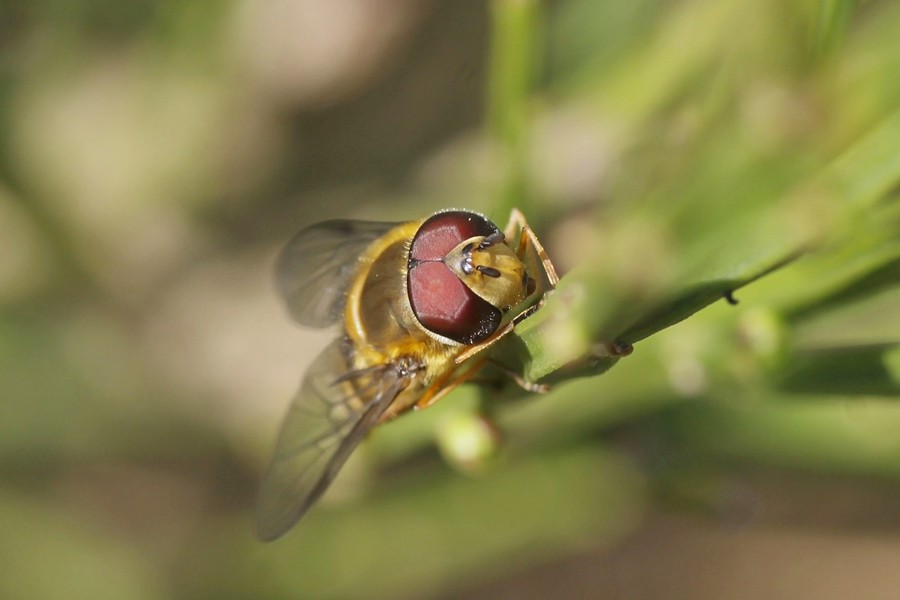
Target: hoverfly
[(418, 303)]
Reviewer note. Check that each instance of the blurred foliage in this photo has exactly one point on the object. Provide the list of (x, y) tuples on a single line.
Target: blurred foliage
[(154, 156)]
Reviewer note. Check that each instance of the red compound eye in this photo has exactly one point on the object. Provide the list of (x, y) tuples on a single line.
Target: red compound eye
[(441, 233), (441, 302), (444, 305)]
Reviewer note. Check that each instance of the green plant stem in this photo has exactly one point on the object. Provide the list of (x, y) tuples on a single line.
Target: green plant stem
[(512, 67)]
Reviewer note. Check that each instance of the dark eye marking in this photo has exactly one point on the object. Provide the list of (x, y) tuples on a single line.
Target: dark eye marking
[(489, 271)]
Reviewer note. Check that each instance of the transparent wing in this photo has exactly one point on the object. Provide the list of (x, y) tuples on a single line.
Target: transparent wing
[(315, 269), (328, 418)]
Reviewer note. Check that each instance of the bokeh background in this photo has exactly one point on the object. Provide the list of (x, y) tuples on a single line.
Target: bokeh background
[(155, 156)]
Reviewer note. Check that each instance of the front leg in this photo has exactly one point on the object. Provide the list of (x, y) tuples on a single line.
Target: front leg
[(527, 239)]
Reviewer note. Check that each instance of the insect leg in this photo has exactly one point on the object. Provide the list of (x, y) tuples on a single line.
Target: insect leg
[(517, 222), (528, 386), (447, 383)]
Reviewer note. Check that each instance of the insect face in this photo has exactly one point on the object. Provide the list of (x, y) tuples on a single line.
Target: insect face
[(462, 277), (490, 268)]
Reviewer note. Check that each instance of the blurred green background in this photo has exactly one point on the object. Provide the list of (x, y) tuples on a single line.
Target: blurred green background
[(156, 155)]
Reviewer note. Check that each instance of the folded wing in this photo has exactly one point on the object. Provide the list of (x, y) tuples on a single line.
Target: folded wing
[(327, 419)]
